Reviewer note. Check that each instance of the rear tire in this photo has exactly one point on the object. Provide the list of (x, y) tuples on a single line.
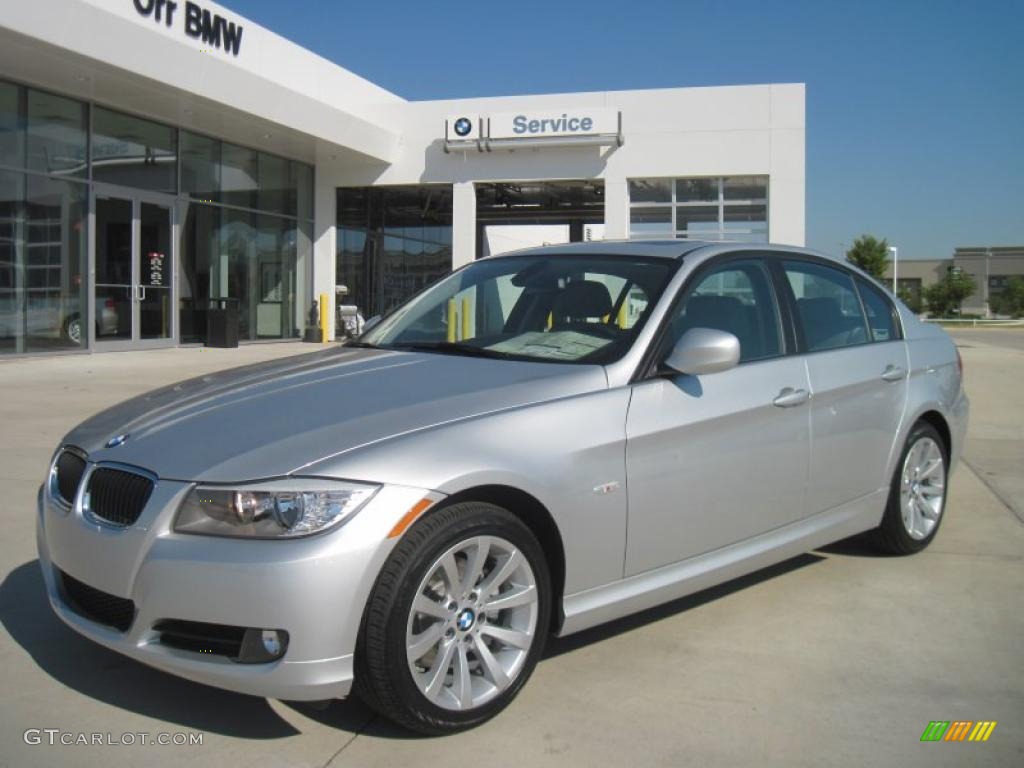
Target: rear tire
[(456, 621), (917, 494)]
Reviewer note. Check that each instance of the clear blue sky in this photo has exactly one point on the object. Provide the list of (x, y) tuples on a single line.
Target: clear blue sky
[(915, 108)]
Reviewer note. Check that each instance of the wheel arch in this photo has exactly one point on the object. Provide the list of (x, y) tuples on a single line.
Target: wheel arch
[(541, 523), (938, 421)]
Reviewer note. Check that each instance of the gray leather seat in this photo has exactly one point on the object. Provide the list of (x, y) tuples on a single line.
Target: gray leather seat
[(580, 303)]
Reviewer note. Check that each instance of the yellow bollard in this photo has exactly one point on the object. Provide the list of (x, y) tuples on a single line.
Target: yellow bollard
[(453, 320), (622, 316), (465, 318), (323, 318)]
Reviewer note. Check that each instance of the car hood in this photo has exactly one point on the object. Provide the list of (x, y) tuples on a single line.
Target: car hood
[(273, 419)]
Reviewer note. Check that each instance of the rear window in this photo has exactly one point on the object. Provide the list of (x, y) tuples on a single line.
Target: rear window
[(881, 315)]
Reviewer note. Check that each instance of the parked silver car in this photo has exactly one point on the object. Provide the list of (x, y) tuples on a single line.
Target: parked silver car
[(540, 442)]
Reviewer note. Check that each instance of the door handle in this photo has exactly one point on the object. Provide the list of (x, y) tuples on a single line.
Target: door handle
[(893, 373), (790, 397), (140, 293)]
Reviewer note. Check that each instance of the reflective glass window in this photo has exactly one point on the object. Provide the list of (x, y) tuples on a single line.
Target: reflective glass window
[(200, 167), (239, 176), (260, 263), (11, 226), (716, 208), (828, 308), (650, 190), (303, 175), (880, 312), (745, 188), (12, 130), (696, 190), (43, 225), (133, 152), (277, 187), (737, 298), (56, 134), (392, 242)]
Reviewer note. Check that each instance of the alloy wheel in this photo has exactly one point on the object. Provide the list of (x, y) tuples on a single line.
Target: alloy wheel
[(472, 623), (922, 488)]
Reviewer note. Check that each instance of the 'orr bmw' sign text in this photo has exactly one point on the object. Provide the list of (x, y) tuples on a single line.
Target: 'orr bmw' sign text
[(511, 129), (211, 29)]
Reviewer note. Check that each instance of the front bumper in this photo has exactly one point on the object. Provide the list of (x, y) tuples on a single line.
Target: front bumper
[(315, 588)]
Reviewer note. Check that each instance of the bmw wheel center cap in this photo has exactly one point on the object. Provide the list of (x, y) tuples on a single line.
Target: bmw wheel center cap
[(465, 620)]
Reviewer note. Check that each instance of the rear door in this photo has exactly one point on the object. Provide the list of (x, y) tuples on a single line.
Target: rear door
[(857, 365), (716, 459)]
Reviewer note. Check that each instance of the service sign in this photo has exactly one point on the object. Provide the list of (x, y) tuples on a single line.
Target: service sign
[(548, 124)]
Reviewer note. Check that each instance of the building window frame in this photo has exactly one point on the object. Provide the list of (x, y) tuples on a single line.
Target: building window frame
[(724, 230)]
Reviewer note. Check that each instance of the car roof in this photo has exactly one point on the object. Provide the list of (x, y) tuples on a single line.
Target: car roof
[(666, 249)]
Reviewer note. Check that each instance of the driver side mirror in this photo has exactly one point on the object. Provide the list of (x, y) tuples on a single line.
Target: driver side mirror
[(704, 350)]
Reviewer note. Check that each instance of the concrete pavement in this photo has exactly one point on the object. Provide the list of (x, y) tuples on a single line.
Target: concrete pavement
[(1008, 337), (838, 657), (995, 444)]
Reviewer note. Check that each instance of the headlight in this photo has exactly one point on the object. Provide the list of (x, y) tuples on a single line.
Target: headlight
[(271, 510)]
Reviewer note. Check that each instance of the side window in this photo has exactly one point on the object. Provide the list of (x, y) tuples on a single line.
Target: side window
[(738, 298), (827, 306), (881, 320)]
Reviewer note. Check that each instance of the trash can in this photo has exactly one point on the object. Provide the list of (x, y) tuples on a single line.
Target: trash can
[(222, 323)]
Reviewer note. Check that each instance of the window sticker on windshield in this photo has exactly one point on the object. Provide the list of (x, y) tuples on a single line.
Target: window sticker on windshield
[(556, 345)]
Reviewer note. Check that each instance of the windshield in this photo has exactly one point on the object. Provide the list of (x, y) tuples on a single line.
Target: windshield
[(555, 308)]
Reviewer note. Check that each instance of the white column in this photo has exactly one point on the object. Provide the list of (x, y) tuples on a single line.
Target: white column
[(616, 209), (325, 216), (463, 223)]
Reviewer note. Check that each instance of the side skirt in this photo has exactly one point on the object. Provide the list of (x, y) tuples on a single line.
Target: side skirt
[(645, 590)]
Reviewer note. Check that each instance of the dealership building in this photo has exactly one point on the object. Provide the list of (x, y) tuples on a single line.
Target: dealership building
[(162, 161)]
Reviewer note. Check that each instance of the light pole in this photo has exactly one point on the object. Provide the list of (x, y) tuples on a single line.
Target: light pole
[(895, 266)]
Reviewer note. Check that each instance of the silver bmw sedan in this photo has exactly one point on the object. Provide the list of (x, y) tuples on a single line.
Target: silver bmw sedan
[(538, 443)]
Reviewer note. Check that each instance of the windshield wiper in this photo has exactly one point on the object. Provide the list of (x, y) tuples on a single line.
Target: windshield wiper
[(360, 344), (448, 347)]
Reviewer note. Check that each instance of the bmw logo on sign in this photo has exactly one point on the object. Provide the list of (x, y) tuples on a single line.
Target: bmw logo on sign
[(463, 126)]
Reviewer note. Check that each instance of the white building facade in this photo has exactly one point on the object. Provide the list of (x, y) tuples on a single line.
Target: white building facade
[(162, 160)]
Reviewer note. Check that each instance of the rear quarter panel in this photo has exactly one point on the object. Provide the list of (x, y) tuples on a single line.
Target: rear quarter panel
[(935, 382)]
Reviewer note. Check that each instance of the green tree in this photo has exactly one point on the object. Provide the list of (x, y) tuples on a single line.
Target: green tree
[(948, 294), (1009, 301), (870, 254), (911, 298)]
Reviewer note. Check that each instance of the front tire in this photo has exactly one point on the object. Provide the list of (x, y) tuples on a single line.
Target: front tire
[(917, 495), (456, 621), (73, 329)]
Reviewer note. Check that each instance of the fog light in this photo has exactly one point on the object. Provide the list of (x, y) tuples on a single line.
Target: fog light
[(262, 645), (272, 642)]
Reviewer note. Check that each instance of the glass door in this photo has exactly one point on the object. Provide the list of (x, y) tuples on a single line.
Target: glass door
[(133, 290), (114, 292), (153, 288)]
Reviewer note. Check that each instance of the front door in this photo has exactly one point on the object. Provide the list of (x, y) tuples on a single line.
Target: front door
[(133, 288), (713, 460)]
